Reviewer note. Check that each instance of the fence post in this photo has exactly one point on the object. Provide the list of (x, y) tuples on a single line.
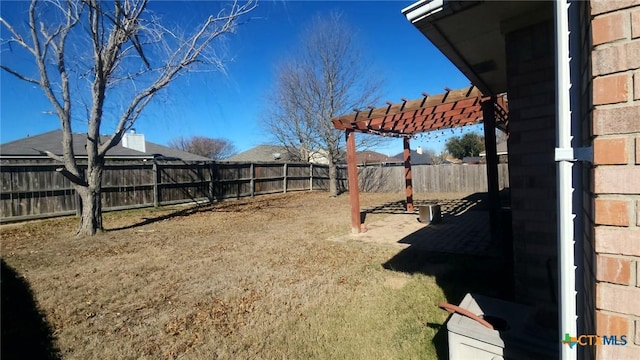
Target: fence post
[(284, 180), (252, 184), (156, 175), (211, 182), (311, 177)]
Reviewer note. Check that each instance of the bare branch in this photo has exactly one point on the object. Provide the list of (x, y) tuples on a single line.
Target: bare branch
[(73, 177), (19, 75), (191, 51), (51, 155), (323, 80), (121, 51)]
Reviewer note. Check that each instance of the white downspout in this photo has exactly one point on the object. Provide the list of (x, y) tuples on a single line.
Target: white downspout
[(564, 156)]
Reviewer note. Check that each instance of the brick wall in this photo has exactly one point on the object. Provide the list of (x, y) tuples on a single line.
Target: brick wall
[(532, 170), (585, 256), (615, 57)]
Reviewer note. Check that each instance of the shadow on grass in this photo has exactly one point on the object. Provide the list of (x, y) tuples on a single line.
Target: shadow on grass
[(478, 267), (230, 206), (456, 275), (25, 331), (179, 213)]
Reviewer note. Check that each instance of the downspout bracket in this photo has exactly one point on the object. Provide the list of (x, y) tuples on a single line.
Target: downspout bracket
[(574, 154)]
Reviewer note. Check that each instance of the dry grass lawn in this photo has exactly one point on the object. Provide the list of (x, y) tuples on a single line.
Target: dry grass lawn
[(263, 278)]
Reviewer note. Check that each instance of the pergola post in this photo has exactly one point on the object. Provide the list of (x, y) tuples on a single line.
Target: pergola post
[(407, 173), (489, 119), (352, 173)]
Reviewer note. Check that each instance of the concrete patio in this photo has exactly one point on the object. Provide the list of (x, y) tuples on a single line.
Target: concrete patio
[(464, 228)]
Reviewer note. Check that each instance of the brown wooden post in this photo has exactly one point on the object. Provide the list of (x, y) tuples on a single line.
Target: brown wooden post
[(352, 173), (407, 173), (252, 183), (493, 189), (284, 178), (156, 179)]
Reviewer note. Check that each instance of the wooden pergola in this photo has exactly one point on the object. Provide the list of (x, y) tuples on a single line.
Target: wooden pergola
[(451, 109)]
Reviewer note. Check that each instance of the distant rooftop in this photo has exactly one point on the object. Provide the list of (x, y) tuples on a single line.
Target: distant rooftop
[(52, 141)]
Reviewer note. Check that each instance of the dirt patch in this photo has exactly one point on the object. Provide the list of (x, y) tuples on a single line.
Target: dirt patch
[(395, 281)]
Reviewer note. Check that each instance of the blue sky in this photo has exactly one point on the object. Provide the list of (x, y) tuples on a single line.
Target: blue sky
[(231, 105)]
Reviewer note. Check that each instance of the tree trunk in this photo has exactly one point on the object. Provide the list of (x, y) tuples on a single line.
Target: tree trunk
[(91, 198), (333, 178)]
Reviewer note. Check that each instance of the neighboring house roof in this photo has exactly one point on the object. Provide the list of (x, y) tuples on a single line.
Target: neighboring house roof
[(52, 141), (372, 157), (452, 160), (417, 159), (263, 153), (472, 160), (501, 147)]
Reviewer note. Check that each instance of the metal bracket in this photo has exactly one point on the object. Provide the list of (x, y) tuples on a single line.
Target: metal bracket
[(574, 154)]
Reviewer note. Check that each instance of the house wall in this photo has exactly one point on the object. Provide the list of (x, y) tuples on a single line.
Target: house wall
[(532, 170), (615, 56), (585, 254)]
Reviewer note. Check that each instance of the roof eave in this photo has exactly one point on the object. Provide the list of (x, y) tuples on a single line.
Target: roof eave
[(471, 34)]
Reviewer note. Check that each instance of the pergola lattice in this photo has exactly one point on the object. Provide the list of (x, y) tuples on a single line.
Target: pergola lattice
[(451, 109)]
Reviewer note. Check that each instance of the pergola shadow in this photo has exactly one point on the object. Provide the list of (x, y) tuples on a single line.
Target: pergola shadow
[(464, 228)]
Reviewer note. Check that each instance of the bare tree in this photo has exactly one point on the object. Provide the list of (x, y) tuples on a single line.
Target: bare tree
[(325, 78), (94, 56), (215, 148), (440, 158)]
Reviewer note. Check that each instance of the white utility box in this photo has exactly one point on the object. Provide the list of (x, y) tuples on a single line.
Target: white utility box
[(515, 337)]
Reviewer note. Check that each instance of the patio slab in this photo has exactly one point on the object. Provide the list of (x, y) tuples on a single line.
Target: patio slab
[(464, 229)]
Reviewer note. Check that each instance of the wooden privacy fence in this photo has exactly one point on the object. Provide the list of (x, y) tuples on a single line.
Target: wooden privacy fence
[(430, 178), (36, 190)]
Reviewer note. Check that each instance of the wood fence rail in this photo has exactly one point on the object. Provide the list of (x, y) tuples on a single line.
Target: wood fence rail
[(35, 190)]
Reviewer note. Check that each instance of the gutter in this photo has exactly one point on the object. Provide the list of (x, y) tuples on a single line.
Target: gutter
[(568, 123), (422, 9)]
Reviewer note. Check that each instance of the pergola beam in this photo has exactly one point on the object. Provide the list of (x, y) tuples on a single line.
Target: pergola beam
[(455, 108), (411, 105), (354, 189), (408, 181)]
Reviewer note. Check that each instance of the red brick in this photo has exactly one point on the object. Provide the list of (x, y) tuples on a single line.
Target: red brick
[(618, 298), (617, 240), (616, 58), (603, 6), (635, 23), (622, 120), (607, 28), (610, 89), (612, 324), (610, 151), (616, 179), (627, 352), (611, 212), (613, 270)]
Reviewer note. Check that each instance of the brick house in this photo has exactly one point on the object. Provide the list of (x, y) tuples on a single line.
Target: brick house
[(586, 75)]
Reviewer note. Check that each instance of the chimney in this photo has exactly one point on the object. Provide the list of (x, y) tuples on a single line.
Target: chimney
[(134, 141)]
